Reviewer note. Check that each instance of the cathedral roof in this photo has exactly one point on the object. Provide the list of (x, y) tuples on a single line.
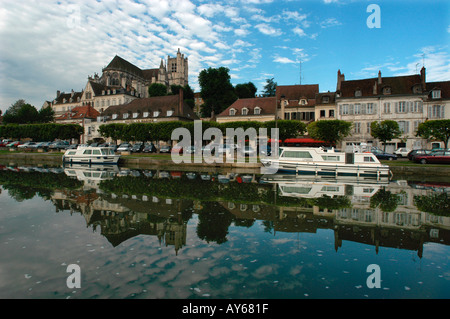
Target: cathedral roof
[(120, 64)]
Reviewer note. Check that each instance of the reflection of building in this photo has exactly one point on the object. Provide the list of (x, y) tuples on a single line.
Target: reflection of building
[(351, 214)]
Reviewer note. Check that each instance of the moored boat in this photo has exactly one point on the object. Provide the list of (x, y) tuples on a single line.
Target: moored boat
[(91, 155), (326, 162)]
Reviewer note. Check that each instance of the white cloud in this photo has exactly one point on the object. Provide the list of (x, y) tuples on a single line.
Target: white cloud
[(283, 60), (268, 30), (299, 31), (330, 22)]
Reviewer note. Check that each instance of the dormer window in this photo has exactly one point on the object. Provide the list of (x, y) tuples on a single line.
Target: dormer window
[(387, 90), (358, 93), (125, 115), (145, 114), (244, 111), (135, 114), (114, 116), (326, 99), (103, 92), (169, 112), (436, 94), (257, 110), (303, 102), (232, 112), (155, 113)]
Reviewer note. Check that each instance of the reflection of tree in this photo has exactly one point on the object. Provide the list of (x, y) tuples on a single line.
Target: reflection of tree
[(214, 221), (385, 200), (20, 193), (436, 204), (268, 226), (328, 202)]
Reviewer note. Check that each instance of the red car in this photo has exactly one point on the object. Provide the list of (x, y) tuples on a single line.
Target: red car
[(438, 157)]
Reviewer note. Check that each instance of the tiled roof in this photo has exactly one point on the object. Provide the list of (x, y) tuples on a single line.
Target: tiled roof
[(150, 73), (398, 85), (295, 93), (151, 104), (444, 86), (79, 112), (331, 98), (267, 105), (67, 96)]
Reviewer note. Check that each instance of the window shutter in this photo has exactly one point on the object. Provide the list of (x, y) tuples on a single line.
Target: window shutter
[(363, 108), (350, 109), (396, 107), (442, 111)]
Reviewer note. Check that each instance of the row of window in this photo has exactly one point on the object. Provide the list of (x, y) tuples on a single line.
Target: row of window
[(144, 114), (358, 127), (244, 111), (434, 111)]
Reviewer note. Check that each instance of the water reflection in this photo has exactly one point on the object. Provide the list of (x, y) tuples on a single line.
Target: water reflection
[(123, 203)]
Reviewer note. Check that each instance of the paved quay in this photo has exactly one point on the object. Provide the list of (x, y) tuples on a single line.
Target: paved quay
[(143, 162)]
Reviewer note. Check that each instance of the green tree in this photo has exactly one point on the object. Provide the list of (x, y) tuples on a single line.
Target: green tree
[(46, 114), (331, 131), (385, 131), (216, 90), (157, 89), (287, 128), (270, 88), (435, 129), (245, 90)]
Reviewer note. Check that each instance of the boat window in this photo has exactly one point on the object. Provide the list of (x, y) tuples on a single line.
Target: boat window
[(331, 158), (96, 152), (330, 189), (368, 159), (71, 153), (296, 189), (297, 154), (87, 152)]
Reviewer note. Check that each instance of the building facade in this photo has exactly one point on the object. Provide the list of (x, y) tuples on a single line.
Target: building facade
[(408, 100)]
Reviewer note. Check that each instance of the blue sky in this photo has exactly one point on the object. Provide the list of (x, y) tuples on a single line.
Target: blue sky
[(47, 46)]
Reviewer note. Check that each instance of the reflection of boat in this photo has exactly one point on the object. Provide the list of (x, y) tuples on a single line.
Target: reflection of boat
[(322, 162), (86, 172), (292, 186), (91, 155)]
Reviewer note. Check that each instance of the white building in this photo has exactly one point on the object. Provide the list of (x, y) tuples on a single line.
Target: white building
[(409, 100)]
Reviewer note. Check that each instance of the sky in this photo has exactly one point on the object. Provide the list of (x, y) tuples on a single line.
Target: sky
[(49, 45)]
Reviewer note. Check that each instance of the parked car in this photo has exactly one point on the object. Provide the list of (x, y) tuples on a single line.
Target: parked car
[(402, 152), (59, 146), (164, 149), (248, 151), (124, 147), (72, 146), (26, 145), (14, 144), (149, 148), (414, 153), (438, 157), (137, 148), (5, 142), (177, 150), (384, 156)]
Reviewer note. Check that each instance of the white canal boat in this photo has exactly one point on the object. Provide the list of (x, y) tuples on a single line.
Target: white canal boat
[(326, 162), (91, 155)]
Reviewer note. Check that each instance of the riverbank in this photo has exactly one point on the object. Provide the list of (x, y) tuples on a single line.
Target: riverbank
[(401, 167)]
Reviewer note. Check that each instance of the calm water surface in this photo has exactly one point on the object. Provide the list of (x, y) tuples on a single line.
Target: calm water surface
[(171, 234)]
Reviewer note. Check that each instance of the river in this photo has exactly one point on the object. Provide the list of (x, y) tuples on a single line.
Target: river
[(152, 233)]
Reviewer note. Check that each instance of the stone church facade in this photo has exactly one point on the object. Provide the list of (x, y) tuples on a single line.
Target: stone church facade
[(122, 82)]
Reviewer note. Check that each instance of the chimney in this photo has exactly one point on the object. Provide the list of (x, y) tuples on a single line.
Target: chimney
[(379, 77), (58, 93), (72, 93), (423, 78), (340, 78), (180, 102)]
